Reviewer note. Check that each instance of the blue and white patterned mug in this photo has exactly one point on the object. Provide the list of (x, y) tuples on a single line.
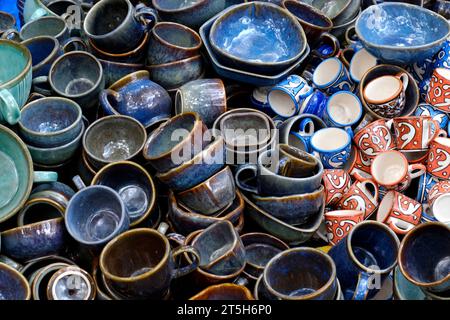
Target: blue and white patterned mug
[(314, 104), (426, 182), (425, 109), (331, 75), (442, 58), (286, 97), (332, 146), (343, 110)]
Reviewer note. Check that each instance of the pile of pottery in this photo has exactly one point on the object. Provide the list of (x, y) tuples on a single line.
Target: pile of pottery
[(225, 149)]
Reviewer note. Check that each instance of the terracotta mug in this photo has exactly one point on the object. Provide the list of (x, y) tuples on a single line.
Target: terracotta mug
[(336, 182), (438, 94), (440, 188), (362, 196), (439, 158), (340, 222), (374, 138)]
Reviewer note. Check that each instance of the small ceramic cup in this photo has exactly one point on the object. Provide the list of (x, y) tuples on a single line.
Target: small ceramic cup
[(337, 182), (301, 274), (423, 256), (221, 249), (415, 133), (172, 42), (386, 95), (343, 110), (390, 170), (286, 97), (361, 62), (331, 75), (207, 97), (340, 222), (294, 162), (374, 138), (399, 212), (361, 262), (60, 286), (426, 183), (332, 146), (437, 95), (140, 264), (362, 196), (14, 285), (44, 51), (438, 163)]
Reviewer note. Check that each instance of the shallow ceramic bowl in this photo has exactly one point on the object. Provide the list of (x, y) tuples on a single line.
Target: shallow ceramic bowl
[(259, 37), (417, 36)]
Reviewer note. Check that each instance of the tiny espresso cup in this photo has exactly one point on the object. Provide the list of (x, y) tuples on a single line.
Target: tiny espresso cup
[(340, 222), (374, 138), (415, 133), (337, 182), (286, 97), (332, 76), (364, 259), (386, 95), (332, 146), (390, 170), (438, 163), (399, 212), (362, 196), (438, 95)]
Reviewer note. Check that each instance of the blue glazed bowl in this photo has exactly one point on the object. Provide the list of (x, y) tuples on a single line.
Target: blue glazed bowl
[(401, 33), (14, 285), (258, 37)]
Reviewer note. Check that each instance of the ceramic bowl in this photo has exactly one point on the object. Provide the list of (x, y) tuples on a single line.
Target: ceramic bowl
[(113, 138), (44, 51), (256, 45), (419, 35), (14, 285), (34, 240)]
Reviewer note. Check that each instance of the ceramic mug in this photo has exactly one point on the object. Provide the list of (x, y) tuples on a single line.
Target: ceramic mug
[(438, 163), (386, 95), (390, 170), (425, 109), (294, 163), (359, 164), (286, 97), (306, 129), (399, 212), (437, 94), (415, 133), (337, 182), (44, 51), (374, 138), (437, 190), (331, 75), (362, 196), (360, 63), (426, 182), (340, 222), (332, 146), (314, 104)]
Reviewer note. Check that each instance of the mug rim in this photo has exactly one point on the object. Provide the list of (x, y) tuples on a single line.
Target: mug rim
[(128, 78), (28, 66), (179, 26), (356, 99), (349, 141), (394, 95), (51, 55), (397, 181), (53, 17)]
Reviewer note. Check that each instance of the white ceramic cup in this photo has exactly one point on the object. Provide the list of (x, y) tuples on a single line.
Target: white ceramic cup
[(361, 62), (441, 208)]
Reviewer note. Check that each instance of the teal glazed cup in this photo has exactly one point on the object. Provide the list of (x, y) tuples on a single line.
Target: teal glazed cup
[(34, 9), (17, 174), (15, 80)]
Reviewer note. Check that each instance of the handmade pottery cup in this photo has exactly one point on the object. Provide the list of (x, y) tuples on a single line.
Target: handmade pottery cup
[(114, 71), (306, 129), (113, 138), (207, 97), (367, 254), (135, 95), (437, 95), (286, 97), (134, 185), (343, 110), (399, 212), (415, 133), (294, 163), (425, 109), (362, 196), (15, 80), (314, 104), (331, 75), (172, 42), (332, 146), (386, 95), (44, 51), (340, 222), (50, 122), (269, 183), (46, 26), (41, 278), (59, 286), (118, 26), (315, 281), (296, 130), (139, 264), (14, 285), (226, 291), (212, 195), (390, 170), (95, 215), (17, 174), (181, 137), (439, 158), (336, 182), (374, 138), (423, 256), (361, 62)]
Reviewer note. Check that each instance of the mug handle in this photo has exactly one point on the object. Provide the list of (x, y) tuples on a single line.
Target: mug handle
[(403, 77), (372, 196), (362, 288), (77, 45), (11, 34), (334, 41), (145, 15), (104, 100), (438, 132), (38, 14), (9, 108), (78, 182), (45, 176), (397, 230), (303, 140), (416, 170), (243, 185), (306, 126), (180, 272)]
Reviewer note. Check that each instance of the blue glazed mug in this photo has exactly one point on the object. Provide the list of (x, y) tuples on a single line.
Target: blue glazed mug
[(314, 103), (425, 109), (364, 259), (332, 76), (286, 97), (332, 146), (426, 182), (343, 110)]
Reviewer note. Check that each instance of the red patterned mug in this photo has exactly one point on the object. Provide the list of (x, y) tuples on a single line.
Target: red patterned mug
[(440, 188), (362, 196), (336, 183), (375, 138), (439, 89), (340, 222), (438, 163)]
